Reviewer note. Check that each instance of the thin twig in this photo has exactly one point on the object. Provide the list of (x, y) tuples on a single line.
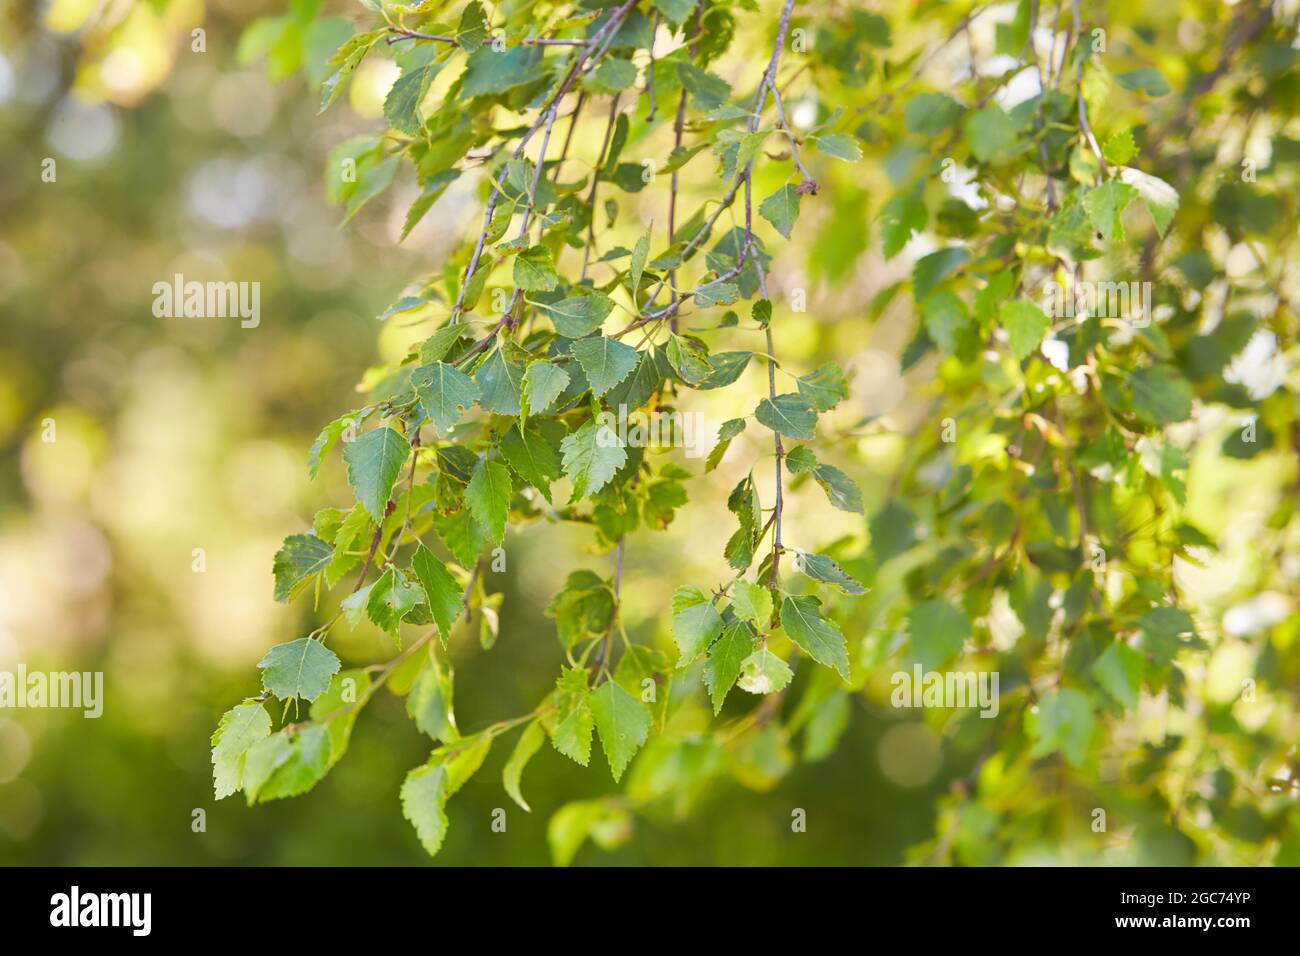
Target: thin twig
[(611, 25)]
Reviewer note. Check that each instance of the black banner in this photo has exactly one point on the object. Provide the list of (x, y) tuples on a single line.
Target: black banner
[(311, 906)]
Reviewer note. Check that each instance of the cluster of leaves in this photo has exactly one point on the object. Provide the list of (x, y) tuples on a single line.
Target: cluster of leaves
[(481, 426), (468, 435), (1051, 480)]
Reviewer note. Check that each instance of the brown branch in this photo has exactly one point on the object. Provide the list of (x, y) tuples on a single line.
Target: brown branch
[(611, 25)]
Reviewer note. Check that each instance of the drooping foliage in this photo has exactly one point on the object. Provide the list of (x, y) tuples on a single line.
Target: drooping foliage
[(1079, 289)]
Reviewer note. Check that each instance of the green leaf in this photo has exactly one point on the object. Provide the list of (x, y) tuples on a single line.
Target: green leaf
[(800, 460), (1119, 148), (578, 315), (462, 535), (716, 293), (488, 72), (488, 498), (946, 319), (781, 209), (726, 368), (744, 504), (1160, 395), (354, 51), (357, 527), (707, 91), (300, 668), (989, 299), (1025, 324), (240, 728), (372, 179), (930, 270), (752, 603), (330, 434), (574, 723), (1160, 198), (374, 461), (640, 253), (543, 383), (840, 146), (938, 631), (611, 76), (390, 599), (427, 789), (592, 455), (535, 270), (500, 381), (424, 800), (821, 568), (1105, 206), (622, 722), (606, 361), (696, 623), (1119, 671), (529, 742), (441, 591), (745, 148), (727, 656), (843, 493), (790, 415), (824, 388), (286, 764), (1062, 721), (606, 823), (676, 11), (688, 360), (429, 702), (473, 29), (1147, 80), (819, 638), (930, 114), (435, 347), (727, 431), (1162, 632), (573, 735), (444, 392), (992, 134), (531, 456), (337, 709), (300, 558), (762, 672), (402, 105), (903, 215)]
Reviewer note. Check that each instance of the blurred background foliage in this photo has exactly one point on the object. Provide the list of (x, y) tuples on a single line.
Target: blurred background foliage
[(183, 434)]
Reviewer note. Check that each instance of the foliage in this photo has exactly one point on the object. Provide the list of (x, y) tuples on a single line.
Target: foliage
[(1034, 527)]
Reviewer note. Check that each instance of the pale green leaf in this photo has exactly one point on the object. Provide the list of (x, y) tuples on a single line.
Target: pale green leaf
[(374, 461), (820, 638), (300, 668), (622, 722)]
